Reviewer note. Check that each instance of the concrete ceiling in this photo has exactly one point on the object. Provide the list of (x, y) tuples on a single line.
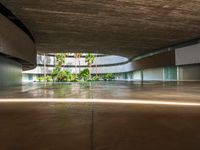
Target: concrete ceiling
[(124, 27)]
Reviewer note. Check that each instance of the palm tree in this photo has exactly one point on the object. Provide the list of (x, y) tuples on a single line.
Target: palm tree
[(79, 62), (89, 59), (76, 56), (96, 67), (45, 71), (60, 59)]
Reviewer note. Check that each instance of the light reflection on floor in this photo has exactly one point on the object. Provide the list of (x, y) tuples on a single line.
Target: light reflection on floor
[(173, 91), (111, 101), (101, 116)]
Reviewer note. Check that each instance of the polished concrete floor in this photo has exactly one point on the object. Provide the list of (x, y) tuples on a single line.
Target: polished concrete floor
[(179, 91), (89, 125)]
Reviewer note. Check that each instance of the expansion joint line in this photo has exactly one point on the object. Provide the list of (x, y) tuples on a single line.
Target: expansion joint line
[(92, 126)]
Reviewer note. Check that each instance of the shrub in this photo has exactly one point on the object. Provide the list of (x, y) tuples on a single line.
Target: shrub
[(60, 60), (84, 74), (95, 78), (40, 79), (74, 78), (89, 59), (47, 78), (109, 77), (55, 72), (64, 76)]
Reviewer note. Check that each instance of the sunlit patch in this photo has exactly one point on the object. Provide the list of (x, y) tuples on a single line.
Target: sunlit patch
[(116, 101)]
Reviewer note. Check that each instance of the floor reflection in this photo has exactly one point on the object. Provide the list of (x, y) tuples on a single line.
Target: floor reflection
[(180, 91), (100, 116)]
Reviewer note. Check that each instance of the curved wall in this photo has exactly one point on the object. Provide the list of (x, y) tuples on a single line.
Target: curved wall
[(17, 52), (71, 61), (16, 44), (11, 72), (158, 65), (117, 64)]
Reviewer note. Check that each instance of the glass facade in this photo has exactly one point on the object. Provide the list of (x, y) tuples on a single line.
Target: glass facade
[(170, 73)]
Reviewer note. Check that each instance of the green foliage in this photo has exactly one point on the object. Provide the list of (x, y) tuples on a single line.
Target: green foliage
[(89, 59), (95, 78), (60, 59), (47, 78), (64, 76), (40, 79), (109, 77), (84, 74), (60, 75), (74, 78), (55, 72)]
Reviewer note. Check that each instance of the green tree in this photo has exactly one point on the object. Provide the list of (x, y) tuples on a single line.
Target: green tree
[(64, 76), (60, 60), (84, 74), (89, 59), (109, 77), (77, 56), (55, 72)]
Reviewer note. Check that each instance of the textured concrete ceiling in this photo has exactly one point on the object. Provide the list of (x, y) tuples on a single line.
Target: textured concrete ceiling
[(125, 27)]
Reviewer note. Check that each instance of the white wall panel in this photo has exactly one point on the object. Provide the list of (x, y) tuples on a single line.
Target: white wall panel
[(188, 55)]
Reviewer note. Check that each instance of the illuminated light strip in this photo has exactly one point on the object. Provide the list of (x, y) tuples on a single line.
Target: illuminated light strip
[(146, 102)]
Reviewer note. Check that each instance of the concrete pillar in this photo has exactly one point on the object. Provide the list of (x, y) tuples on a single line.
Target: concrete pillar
[(141, 76), (163, 74), (45, 73), (178, 74)]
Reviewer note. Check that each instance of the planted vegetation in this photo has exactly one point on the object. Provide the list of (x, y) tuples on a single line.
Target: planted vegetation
[(108, 77), (59, 74)]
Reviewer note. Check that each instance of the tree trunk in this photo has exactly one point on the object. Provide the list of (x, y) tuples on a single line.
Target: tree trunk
[(76, 67), (45, 74), (79, 65)]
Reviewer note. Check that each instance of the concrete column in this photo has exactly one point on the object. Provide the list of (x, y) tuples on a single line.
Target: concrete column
[(141, 76), (178, 74), (163, 74), (45, 73)]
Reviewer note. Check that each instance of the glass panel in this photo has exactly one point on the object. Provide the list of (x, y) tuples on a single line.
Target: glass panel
[(170, 73)]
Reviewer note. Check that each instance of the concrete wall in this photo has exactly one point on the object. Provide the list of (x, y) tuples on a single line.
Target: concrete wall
[(11, 72), (185, 73), (189, 73), (157, 67), (17, 52), (102, 70), (188, 55), (110, 59), (16, 43), (188, 59), (103, 60)]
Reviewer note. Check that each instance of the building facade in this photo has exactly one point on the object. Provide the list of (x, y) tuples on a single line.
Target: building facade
[(176, 64)]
